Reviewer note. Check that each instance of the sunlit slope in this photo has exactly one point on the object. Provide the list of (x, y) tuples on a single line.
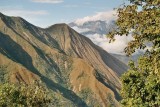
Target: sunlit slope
[(62, 59)]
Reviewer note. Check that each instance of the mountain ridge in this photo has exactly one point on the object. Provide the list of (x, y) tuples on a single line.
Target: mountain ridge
[(61, 58)]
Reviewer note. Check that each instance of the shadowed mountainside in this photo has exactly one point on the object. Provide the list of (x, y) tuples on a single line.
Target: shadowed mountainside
[(65, 61)]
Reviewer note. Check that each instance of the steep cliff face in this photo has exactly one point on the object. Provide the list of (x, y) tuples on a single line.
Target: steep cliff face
[(62, 59)]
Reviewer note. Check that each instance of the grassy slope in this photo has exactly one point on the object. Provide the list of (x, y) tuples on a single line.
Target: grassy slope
[(65, 61)]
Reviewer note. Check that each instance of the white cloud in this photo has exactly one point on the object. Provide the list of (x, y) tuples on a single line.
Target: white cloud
[(80, 30), (104, 16), (48, 1), (29, 15), (19, 11), (23, 13), (116, 47)]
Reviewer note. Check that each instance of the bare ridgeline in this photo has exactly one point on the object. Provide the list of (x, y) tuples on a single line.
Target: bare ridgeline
[(68, 63)]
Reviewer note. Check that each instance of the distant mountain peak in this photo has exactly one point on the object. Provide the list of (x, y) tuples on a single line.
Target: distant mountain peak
[(94, 27)]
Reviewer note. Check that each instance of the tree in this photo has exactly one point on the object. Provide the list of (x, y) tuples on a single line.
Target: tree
[(3, 73), (141, 20), (12, 95)]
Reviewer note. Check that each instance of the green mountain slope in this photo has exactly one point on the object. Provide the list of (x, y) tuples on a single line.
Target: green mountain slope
[(76, 71)]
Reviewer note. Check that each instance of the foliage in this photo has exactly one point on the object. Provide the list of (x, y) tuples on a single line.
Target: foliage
[(110, 100), (65, 67), (3, 74), (23, 96), (88, 96), (141, 87), (59, 101), (141, 20)]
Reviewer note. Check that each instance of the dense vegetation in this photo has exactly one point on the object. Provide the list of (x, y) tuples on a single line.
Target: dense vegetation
[(141, 84), (12, 95)]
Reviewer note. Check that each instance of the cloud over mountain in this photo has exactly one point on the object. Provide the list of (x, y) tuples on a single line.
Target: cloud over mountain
[(103, 16), (116, 47), (97, 26)]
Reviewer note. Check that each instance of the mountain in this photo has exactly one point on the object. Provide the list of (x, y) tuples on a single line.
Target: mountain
[(97, 30), (94, 27), (75, 70), (125, 59)]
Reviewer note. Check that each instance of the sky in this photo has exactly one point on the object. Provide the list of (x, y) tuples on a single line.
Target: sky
[(44, 13)]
